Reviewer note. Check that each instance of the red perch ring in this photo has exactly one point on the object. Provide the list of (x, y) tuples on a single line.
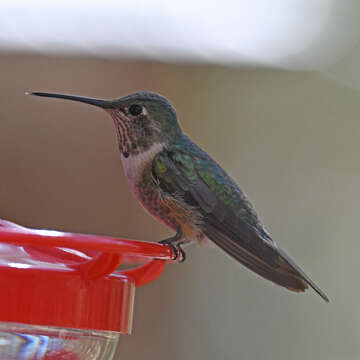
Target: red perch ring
[(61, 279)]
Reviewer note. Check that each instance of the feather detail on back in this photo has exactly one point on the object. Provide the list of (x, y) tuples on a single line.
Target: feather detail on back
[(228, 218)]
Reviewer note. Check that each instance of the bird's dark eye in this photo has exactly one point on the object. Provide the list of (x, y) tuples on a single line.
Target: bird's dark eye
[(135, 109)]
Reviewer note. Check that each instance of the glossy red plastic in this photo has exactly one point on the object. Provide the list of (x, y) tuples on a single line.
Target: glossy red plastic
[(70, 280)]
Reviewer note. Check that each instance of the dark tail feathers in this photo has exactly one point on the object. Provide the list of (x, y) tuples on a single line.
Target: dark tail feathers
[(286, 273)]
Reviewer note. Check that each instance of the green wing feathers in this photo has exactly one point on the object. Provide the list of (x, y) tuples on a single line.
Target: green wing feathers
[(229, 220)]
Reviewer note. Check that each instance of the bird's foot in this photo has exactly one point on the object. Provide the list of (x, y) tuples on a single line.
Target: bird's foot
[(179, 253)]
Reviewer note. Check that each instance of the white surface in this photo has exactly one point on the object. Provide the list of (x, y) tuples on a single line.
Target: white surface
[(291, 34)]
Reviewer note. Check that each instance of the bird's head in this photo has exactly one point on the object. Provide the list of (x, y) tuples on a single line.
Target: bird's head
[(142, 119)]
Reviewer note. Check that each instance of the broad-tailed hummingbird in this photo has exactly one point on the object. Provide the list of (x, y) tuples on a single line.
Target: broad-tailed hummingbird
[(184, 188)]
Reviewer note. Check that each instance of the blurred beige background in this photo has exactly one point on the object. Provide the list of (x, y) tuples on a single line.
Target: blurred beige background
[(291, 139)]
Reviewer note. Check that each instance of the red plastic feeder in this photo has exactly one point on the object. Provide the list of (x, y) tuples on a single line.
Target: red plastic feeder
[(61, 295)]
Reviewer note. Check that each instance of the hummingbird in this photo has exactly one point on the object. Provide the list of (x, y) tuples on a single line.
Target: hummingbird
[(184, 188)]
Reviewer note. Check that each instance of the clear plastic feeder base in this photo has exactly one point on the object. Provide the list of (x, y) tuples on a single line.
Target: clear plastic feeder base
[(30, 342)]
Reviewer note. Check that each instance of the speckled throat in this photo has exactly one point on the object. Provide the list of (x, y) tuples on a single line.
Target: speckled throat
[(134, 135)]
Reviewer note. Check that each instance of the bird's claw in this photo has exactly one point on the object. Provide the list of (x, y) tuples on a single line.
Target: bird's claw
[(179, 253)]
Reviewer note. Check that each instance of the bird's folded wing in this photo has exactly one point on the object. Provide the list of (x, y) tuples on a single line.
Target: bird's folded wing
[(228, 219)]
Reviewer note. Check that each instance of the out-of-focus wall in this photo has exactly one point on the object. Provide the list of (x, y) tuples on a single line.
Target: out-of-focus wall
[(291, 139)]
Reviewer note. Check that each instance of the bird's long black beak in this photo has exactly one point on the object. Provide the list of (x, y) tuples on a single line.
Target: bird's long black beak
[(104, 104)]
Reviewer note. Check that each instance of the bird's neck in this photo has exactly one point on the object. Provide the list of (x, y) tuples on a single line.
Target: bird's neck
[(135, 164)]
